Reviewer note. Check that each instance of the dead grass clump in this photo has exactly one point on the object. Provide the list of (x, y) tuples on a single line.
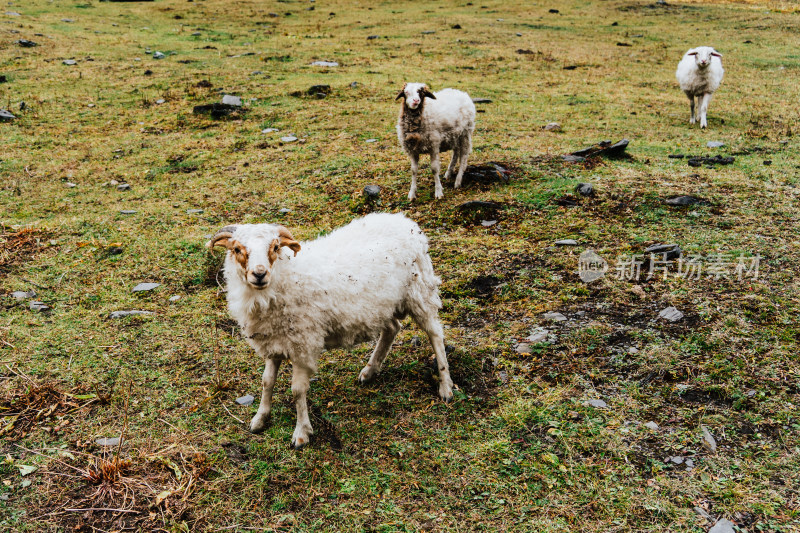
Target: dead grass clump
[(22, 410), (18, 246)]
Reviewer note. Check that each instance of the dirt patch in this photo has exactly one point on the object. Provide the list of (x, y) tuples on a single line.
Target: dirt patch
[(17, 247), (44, 405)]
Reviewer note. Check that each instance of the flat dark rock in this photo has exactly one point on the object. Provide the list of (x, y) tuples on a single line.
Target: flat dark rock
[(478, 204), (672, 251), (566, 201), (216, 110), (3, 79), (570, 67), (317, 90), (572, 158), (6, 115), (710, 161), (585, 189), (603, 148), (372, 192), (481, 101), (683, 200), (487, 173), (25, 43), (676, 156)]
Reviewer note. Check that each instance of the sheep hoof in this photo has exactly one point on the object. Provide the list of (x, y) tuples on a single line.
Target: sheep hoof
[(259, 423), (300, 439), (412, 196), (446, 392), (366, 374), (439, 195)]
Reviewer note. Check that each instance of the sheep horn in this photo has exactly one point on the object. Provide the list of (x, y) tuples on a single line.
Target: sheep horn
[(223, 234)]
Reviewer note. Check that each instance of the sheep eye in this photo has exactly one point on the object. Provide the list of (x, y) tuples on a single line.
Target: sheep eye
[(275, 248), (237, 250)]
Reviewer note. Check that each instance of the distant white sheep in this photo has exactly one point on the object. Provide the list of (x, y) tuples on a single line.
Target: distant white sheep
[(354, 285), (699, 75), (433, 123)]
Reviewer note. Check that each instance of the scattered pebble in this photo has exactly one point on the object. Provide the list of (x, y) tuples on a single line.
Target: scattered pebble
[(289, 139), (488, 223), (142, 287), (722, 526), (523, 348), (682, 200), (325, 64), (481, 101), (113, 441), (553, 126), (158, 55), (124, 187), (23, 295), (38, 306), (13, 14), (585, 189), (633, 350), (597, 404), (668, 251), (25, 43), (194, 211), (709, 442), (132, 312), (70, 185), (538, 335), (232, 100), (651, 425), (567, 242), (160, 101), (69, 62), (245, 400), (371, 140), (715, 144), (6, 115), (671, 314), (269, 130), (128, 212), (554, 316), (284, 210), (372, 192), (174, 298)]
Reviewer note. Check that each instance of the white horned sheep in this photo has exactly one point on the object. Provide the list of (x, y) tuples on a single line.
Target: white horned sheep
[(432, 123), (354, 285), (699, 74)]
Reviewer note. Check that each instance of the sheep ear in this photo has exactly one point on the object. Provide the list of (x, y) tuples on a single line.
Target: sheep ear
[(222, 238), (692, 54), (716, 54), (286, 239), (427, 93), (402, 92)]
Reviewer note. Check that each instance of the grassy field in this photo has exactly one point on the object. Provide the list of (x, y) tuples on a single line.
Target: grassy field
[(520, 448)]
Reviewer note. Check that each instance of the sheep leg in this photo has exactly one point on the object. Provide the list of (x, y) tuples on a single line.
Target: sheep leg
[(301, 376), (706, 99), (452, 166), (436, 166), (381, 350), (259, 421), (431, 325), (462, 165), (412, 193), (691, 108)]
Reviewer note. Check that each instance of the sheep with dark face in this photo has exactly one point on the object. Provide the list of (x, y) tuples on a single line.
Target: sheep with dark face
[(432, 123), (699, 74), (292, 300)]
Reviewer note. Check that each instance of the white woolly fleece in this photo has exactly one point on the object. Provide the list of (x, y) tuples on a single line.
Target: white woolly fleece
[(696, 78)]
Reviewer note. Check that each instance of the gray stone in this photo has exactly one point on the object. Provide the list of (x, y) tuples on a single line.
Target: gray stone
[(488, 223), (715, 144), (523, 348), (689, 463), (25, 43), (284, 210), (269, 130), (174, 298), (633, 350), (676, 459), (158, 55), (416, 341), (67, 20), (289, 139), (13, 14), (38, 306), (567, 242), (538, 335), (232, 100), (554, 316), (573, 158), (709, 443), (371, 141), (703, 513), (325, 64), (503, 375), (428, 32), (196, 34), (22, 295), (124, 187), (671, 314), (552, 126), (70, 62), (194, 211), (651, 425), (6, 115), (245, 400), (160, 101), (144, 287), (128, 212), (132, 312), (682, 200), (723, 525), (597, 404), (113, 441), (372, 192), (585, 189), (70, 185), (668, 251)]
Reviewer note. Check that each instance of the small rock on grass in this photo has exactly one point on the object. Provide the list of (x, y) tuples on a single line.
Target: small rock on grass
[(552, 126), (715, 144), (682, 200), (651, 425), (722, 526), (597, 404), (194, 211), (6, 115), (232, 100), (523, 348), (325, 64), (38, 306), (288, 139), (128, 212), (488, 223), (112, 441), (174, 298), (554, 316), (585, 189), (70, 62), (132, 312), (567, 242), (25, 43), (269, 130), (671, 314), (124, 187), (143, 287), (158, 55), (709, 442), (245, 400), (538, 335), (23, 295), (372, 192)]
